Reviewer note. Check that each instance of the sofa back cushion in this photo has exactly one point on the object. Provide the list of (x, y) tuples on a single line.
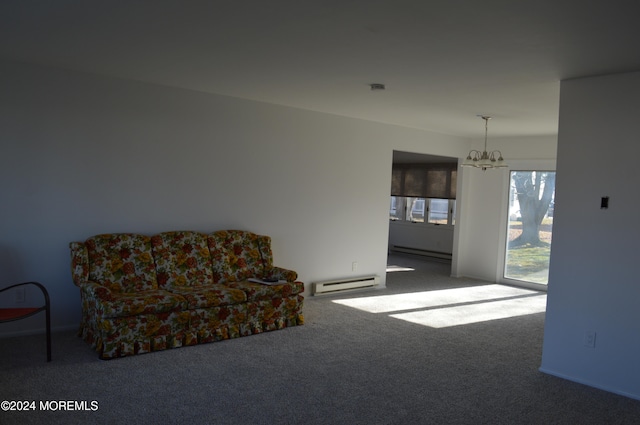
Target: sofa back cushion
[(264, 244), (123, 262), (182, 259), (236, 255)]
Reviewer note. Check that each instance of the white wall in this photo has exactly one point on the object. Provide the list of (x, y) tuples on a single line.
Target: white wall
[(84, 154), (593, 277), (429, 237)]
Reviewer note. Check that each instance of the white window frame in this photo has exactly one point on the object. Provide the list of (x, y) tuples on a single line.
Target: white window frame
[(517, 165)]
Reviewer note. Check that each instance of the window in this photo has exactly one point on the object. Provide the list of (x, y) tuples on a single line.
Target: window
[(396, 209), (439, 211), (415, 210), (421, 210), (531, 203)]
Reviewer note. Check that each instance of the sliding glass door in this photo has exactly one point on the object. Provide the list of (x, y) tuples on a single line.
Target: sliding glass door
[(531, 202)]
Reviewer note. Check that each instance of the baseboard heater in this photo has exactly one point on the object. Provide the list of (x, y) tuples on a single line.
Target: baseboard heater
[(341, 285), (424, 252)]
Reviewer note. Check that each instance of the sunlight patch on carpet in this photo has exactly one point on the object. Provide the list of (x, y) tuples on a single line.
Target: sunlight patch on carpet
[(476, 313), (453, 307), (444, 297), (392, 268)]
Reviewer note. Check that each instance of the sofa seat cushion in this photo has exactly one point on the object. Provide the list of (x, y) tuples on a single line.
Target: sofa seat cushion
[(214, 295), (122, 304), (258, 291)]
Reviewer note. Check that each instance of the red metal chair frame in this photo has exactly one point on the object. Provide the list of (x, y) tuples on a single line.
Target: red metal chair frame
[(13, 314)]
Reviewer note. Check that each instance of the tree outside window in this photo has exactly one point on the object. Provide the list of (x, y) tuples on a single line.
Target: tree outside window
[(531, 205)]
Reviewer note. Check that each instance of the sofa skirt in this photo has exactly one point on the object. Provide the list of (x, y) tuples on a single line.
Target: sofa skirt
[(126, 336)]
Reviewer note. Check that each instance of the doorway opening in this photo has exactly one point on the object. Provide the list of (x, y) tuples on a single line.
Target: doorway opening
[(422, 206)]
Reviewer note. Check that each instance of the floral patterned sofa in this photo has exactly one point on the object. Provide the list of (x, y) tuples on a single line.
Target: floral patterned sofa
[(149, 293)]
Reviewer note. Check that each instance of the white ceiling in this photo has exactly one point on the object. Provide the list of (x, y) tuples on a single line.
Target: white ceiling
[(443, 62)]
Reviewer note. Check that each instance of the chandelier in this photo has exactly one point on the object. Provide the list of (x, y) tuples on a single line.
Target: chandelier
[(484, 159)]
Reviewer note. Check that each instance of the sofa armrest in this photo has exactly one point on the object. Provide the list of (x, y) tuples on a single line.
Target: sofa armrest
[(95, 291), (79, 263), (93, 297), (281, 274)]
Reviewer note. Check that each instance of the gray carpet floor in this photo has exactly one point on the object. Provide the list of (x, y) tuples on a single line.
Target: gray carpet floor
[(371, 357)]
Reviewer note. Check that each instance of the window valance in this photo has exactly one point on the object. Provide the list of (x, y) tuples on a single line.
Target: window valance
[(424, 180)]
